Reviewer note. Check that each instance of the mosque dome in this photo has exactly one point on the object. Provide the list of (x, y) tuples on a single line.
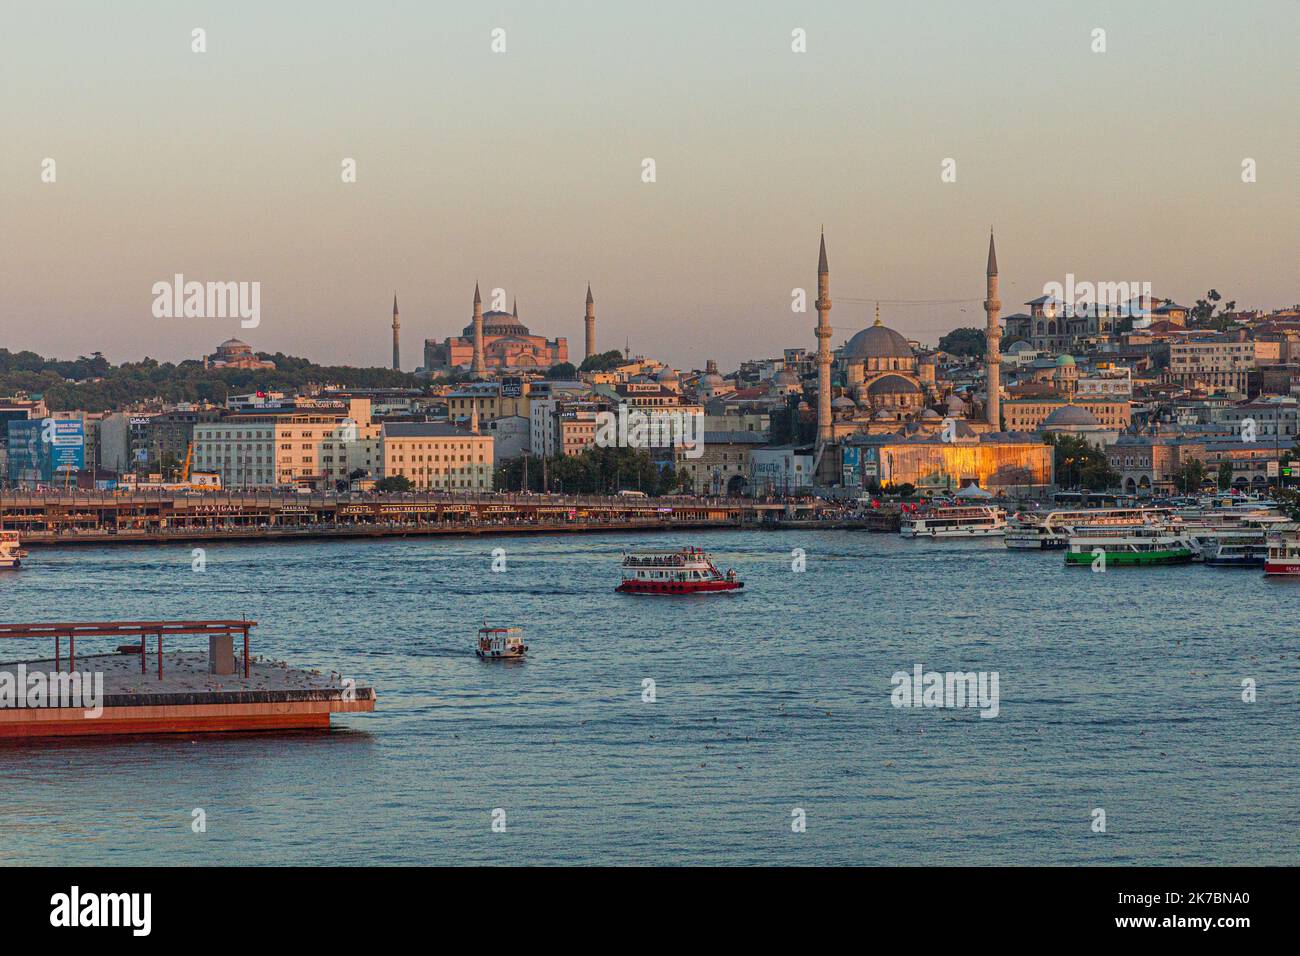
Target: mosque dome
[(667, 375), (877, 341), (893, 385), (844, 402), (499, 323), (1070, 416), (234, 345), (930, 414), (713, 381), (785, 377), (1065, 360)]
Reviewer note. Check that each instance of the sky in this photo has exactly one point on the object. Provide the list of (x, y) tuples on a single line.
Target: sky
[(523, 169)]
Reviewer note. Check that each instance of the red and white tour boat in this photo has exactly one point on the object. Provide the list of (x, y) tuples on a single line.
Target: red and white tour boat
[(500, 643), (684, 571), (1283, 550)]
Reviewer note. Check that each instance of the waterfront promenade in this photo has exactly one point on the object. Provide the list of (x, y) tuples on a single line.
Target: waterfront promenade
[(139, 517)]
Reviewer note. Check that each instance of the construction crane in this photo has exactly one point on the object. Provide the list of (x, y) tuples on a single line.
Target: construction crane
[(185, 472)]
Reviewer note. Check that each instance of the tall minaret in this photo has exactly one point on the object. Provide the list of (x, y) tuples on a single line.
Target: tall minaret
[(590, 349), (397, 328), (992, 348), (823, 348), (479, 367)]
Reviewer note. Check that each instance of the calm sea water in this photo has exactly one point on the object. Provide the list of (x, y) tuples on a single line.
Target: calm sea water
[(1119, 691)]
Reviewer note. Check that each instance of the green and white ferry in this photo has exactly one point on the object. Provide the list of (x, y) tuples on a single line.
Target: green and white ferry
[(1107, 547)]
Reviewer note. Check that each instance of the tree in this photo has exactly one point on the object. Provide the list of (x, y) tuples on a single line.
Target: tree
[(1225, 476), (1190, 476), (602, 362), (965, 341), (563, 372), (1080, 464), (394, 483)]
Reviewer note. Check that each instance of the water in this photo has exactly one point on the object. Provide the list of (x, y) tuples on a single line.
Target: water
[(1119, 691)]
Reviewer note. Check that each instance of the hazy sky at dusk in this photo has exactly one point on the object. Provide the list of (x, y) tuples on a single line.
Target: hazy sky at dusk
[(522, 169)]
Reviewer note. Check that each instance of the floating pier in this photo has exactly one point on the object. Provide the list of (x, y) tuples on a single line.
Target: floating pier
[(154, 687)]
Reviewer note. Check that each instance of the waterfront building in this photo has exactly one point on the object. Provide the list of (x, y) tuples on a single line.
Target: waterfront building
[(780, 469), (511, 436), (436, 457), (1149, 464), (489, 400), (282, 447), (724, 467), (999, 461), (495, 341)]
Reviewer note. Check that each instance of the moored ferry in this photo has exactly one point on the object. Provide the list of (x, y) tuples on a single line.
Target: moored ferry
[(11, 554), (501, 643), (1283, 556), (1136, 545), (978, 521), (684, 571), (1051, 531), (1236, 549)]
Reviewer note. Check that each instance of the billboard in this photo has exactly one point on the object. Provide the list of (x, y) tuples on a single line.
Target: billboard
[(512, 387), (42, 449), (851, 470)]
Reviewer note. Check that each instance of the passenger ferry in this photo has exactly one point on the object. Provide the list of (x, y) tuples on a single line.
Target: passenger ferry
[(1283, 550), (1205, 529), (10, 554), (1135, 545), (979, 521), (684, 571), (1052, 530), (1236, 549), (501, 643)]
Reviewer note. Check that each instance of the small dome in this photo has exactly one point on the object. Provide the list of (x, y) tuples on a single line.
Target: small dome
[(1065, 359), (930, 414), (1070, 415), (785, 377), (878, 341), (713, 380), (667, 375), (843, 402), (234, 344), (892, 385)]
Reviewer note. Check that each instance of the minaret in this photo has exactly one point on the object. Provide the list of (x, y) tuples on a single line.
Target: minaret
[(992, 348), (478, 367), (590, 349), (397, 327), (823, 347)]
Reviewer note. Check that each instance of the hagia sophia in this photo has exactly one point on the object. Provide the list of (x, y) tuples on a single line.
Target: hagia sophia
[(499, 341)]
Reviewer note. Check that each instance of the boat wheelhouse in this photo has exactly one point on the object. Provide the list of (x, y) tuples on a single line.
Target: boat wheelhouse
[(501, 643), (11, 554), (1136, 545), (1051, 530), (683, 571), (1283, 556), (980, 521)]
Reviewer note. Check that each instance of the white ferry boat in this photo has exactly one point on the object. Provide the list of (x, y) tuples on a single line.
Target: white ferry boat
[(684, 571), (11, 554), (1051, 530), (1236, 549), (1205, 529), (1136, 545), (1283, 556), (501, 643), (979, 521)]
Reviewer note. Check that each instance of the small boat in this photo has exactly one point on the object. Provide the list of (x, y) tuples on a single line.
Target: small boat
[(980, 521), (10, 554), (1136, 545), (501, 643), (1283, 556), (684, 571)]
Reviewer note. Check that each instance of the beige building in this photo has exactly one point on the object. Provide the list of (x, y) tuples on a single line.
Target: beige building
[(281, 448), (1221, 364), (1028, 414), (436, 457), (489, 399), (723, 468)]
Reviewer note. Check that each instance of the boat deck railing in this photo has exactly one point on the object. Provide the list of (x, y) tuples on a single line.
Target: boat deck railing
[(129, 629)]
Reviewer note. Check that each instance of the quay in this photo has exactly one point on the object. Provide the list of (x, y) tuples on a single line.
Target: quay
[(165, 690), (143, 517)]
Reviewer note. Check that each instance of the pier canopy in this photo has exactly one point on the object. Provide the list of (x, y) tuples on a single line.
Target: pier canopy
[(132, 629)]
